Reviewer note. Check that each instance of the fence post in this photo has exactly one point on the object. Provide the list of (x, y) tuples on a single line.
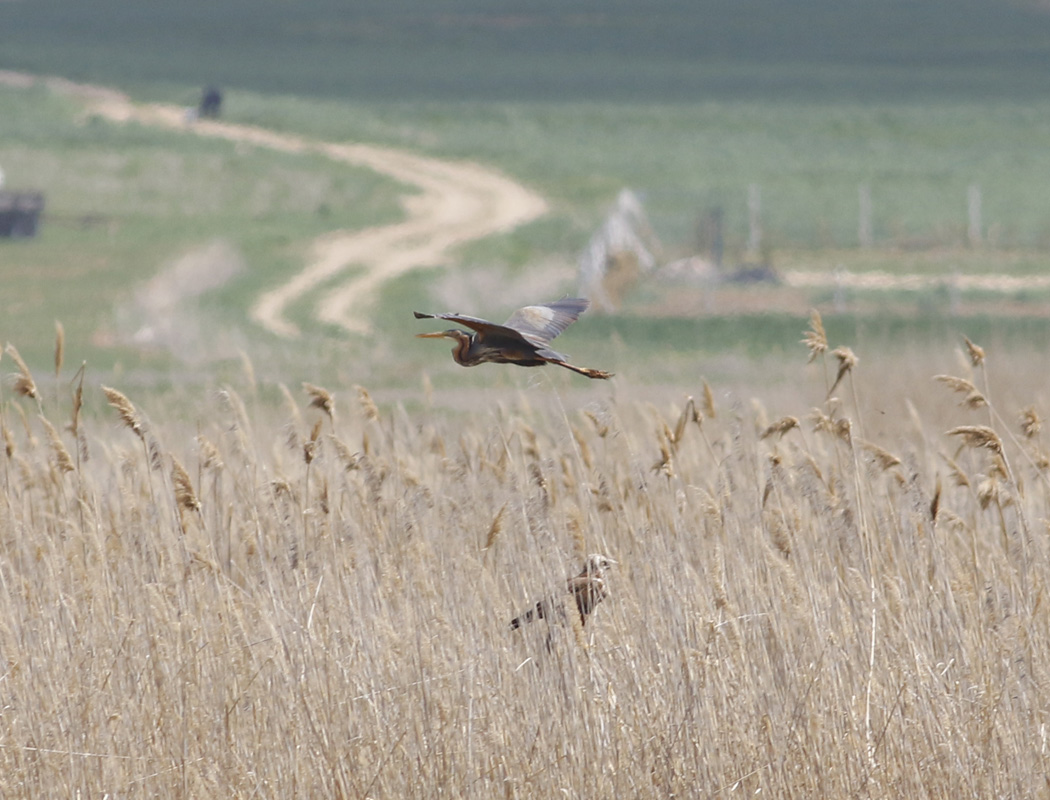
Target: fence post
[(839, 296), (973, 230), (865, 236), (754, 217)]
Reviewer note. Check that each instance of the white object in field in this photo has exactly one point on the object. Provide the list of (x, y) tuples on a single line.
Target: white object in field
[(626, 230)]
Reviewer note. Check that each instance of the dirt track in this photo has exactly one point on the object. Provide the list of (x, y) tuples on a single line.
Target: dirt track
[(456, 202)]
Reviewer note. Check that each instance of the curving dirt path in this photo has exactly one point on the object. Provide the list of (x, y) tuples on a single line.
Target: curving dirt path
[(456, 202), (879, 279)]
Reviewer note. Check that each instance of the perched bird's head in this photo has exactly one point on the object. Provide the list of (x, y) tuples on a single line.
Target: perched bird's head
[(596, 564)]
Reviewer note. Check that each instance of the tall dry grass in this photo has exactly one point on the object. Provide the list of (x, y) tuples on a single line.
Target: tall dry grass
[(314, 601)]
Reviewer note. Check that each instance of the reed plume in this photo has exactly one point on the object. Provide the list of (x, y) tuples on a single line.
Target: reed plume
[(815, 339), (126, 410), (979, 436), (310, 445), (185, 496), (1030, 422), (349, 459), (975, 352), (78, 400), (883, 458), (709, 402), (24, 383), (63, 460), (134, 422), (60, 346), (847, 361), (820, 422), (209, 454), (690, 413), (367, 405), (973, 398), (780, 427), (600, 427), (495, 528), (9, 440), (321, 398)]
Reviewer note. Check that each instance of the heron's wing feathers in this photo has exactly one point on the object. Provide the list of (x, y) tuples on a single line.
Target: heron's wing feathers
[(546, 352), (541, 323), (474, 323), (533, 326)]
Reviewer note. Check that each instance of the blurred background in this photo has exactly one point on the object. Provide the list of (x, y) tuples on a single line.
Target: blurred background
[(709, 172)]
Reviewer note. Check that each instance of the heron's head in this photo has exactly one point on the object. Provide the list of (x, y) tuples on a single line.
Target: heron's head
[(596, 564), (453, 334)]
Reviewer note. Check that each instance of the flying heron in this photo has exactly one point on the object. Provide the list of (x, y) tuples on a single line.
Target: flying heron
[(523, 339), (587, 589)]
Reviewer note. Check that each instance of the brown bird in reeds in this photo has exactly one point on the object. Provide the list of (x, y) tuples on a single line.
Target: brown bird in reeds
[(587, 590), (524, 339)]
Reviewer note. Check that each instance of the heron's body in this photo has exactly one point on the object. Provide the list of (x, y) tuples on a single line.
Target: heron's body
[(472, 349), (524, 339)]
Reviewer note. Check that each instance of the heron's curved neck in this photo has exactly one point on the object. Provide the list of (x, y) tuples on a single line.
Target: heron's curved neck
[(461, 352)]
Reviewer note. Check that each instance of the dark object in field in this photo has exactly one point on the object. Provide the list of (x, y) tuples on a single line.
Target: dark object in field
[(523, 339), (211, 103), (587, 589), (20, 214), (752, 273)]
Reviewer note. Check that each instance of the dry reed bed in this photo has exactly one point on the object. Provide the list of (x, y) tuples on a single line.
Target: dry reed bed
[(315, 601)]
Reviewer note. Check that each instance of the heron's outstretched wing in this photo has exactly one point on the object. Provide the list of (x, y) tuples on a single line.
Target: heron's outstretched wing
[(483, 327), (541, 323), (470, 322)]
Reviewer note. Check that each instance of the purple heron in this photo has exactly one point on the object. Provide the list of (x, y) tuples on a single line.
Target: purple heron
[(523, 339)]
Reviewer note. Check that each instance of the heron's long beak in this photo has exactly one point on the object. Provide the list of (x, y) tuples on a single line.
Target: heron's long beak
[(437, 335)]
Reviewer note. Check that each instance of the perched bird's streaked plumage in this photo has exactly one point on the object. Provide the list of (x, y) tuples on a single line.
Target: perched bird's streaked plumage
[(524, 339), (587, 590)]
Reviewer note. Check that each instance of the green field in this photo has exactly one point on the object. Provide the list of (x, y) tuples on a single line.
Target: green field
[(126, 202)]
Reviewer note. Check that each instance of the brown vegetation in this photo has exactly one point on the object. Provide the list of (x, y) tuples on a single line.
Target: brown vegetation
[(313, 602)]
